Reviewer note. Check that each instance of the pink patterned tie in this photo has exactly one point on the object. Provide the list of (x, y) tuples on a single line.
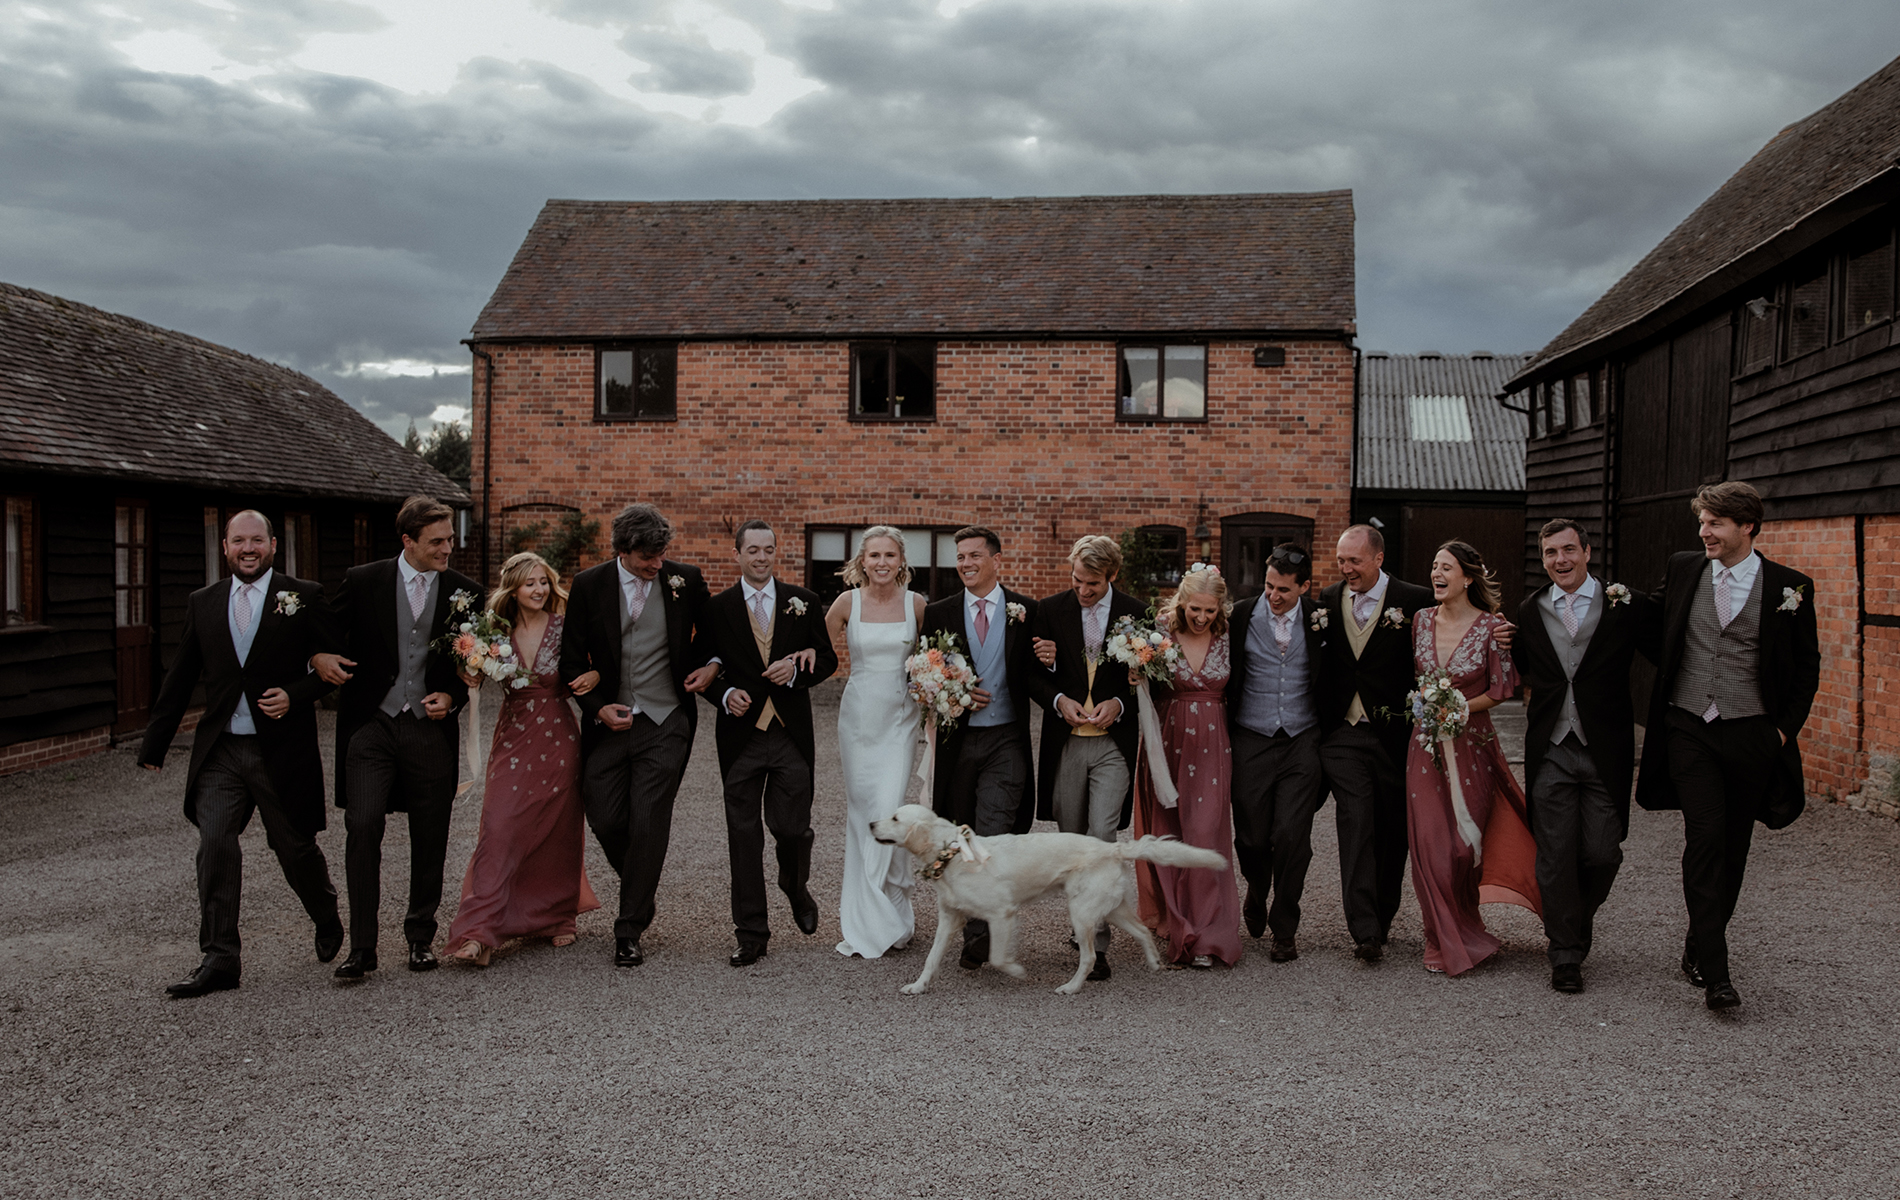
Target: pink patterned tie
[(982, 620), (1570, 613), (418, 592), (242, 609), (758, 611), (1282, 630), (1092, 630), (1724, 604), (1362, 608), (638, 603)]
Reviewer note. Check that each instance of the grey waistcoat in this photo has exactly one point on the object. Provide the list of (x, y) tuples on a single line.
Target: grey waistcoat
[(1570, 652), (1278, 694), (988, 660), (646, 669), (1720, 665), (412, 650)]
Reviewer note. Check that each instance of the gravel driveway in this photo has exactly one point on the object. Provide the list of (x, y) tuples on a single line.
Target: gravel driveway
[(552, 1074)]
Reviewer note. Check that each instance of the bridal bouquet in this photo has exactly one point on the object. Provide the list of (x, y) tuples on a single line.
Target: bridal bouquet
[(940, 678), (1439, 712), (481, 646), (1144, 648)]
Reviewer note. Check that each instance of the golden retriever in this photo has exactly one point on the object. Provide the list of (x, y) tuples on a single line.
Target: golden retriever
[(991, 878)]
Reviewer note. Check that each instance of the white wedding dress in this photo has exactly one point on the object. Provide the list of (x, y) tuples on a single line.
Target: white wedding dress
[(877, 737)]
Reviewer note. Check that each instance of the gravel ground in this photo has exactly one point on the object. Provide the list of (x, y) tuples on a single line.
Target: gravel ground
[(553, 1074)]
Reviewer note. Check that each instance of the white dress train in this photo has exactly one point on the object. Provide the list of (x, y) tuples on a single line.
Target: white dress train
[(877, 738)]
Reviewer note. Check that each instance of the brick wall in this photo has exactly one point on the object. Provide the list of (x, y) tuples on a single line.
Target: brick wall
[(1830, 743), (1025, 441), (45, 752), (1880, 682)]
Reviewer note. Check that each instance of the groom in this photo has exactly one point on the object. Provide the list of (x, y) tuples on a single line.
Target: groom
[(757, 631), (983, 773)]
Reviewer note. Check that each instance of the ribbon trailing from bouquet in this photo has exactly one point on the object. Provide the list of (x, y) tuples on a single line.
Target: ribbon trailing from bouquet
[(927, 769), (473, 735), (1157, 757), (1467, 828)]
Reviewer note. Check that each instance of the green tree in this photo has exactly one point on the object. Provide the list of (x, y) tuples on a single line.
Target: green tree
[(447, 450), (1144, 568), (412, 441), (562, 546)]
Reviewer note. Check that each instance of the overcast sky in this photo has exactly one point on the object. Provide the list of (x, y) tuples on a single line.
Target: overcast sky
[(338, 184)]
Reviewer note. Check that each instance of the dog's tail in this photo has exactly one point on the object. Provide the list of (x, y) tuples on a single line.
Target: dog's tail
[(1170, 853)]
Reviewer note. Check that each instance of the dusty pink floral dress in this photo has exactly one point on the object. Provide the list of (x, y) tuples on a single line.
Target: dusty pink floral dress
[(526, 878), (1197, 911)]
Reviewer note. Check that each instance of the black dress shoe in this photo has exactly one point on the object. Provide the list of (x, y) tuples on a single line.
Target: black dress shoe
[(1721, 996), (747, 954), (1369, 951), (1691, 968), (421, 958), (329, 941), (210, 979), (1100, 970), (1281, 951), (805, 911), (627, 952), (1566, 978), (1254, 912), (975, 954), (359, 963)]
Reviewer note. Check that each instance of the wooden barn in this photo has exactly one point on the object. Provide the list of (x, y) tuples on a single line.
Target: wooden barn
[(1757, 342), (1437, 459), (123, 447)]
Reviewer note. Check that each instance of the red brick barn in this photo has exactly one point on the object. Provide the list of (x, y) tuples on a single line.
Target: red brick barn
[(1049, 367)]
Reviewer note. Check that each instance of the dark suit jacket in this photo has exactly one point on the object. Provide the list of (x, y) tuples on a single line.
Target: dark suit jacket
[(1059, 620), (725, 632), (590, 641), (1382, 676), (1238, 665), (363, 621), (1603, 687), (947, 616), (1789, 673), (279, 658)]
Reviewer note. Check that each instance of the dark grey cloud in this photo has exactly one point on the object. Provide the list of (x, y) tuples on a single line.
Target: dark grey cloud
[(1509, 161)]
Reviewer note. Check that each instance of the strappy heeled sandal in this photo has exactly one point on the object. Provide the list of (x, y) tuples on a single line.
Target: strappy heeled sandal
[(471, 952)]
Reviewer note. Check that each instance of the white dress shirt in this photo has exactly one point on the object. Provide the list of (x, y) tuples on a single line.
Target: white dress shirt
[(1741, 577), (748, 592), (628, 581), (1376, 595), (409, 574), (242, 722), (995, 610), (1579, 599), (1100, 609)]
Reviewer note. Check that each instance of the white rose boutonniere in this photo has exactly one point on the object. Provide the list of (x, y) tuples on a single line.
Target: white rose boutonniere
[(462, 600), (1618, 594), (795, 606), (1321, 619), (1394, 617), (1017, 613), (289, 603), (676, 582), (1791, 598)]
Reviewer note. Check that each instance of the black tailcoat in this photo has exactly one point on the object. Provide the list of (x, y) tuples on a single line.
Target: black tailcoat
[(1059, 620), (947, 616), (1382, 675), (725, 632), (590, 640)]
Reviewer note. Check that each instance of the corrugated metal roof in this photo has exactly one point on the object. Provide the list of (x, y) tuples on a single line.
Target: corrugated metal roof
[(1429, 422)]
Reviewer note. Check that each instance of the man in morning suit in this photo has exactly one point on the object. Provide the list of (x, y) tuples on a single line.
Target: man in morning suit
[(1574, 656), (396, 744), (1741, 661), (1275, 647), (984, 776), (1365, 673), (761, 632), (250, 638), (633, 620), (1088, 748)]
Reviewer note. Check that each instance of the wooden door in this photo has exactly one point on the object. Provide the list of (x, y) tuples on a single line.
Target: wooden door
[(132, 602), (1245, 541)]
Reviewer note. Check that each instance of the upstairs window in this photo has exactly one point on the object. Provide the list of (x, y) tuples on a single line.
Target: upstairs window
[(214, 545), (636, 383), (894, 381), (1163, 383), (297, 546), (1867, 293), (19, 568), (1755, 336), (1807, 313), (1584, 404)]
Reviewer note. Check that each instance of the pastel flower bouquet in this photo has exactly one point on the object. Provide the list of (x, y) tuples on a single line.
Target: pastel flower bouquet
[(1150, 654), (1440, 712), (940, 678), (481, 646)]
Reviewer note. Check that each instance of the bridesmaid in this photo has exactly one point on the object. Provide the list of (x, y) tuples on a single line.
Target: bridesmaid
[(1470, 843), (1198, 912), (877, 738), (526, 878)]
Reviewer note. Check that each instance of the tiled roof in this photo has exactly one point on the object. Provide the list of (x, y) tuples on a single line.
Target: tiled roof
[(88, 392), (1391, 386), (1803, 168), (831, 268)]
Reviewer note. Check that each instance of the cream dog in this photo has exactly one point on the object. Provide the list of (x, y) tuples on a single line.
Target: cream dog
[(991, 878)]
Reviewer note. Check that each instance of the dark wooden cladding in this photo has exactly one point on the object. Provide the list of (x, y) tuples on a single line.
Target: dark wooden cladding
[(1643, 419), (1817, 435), (1698, 404), (1563, 477)]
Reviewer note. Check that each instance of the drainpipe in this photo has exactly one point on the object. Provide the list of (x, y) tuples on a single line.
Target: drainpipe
[(1352, 460), (488, 446)]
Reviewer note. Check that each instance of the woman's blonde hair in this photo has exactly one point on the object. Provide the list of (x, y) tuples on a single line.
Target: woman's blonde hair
[(853, 573), (1481, 586), (1205, 582), (514, 573)]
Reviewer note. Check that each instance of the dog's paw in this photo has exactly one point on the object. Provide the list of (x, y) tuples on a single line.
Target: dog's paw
[(1013, 970), (1070, 988), (913, 989)]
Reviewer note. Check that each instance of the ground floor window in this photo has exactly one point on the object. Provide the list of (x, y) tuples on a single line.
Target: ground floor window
[(931, 552), (19, 569)]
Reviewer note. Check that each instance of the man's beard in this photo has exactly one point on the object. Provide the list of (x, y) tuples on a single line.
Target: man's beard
[(237, 573)]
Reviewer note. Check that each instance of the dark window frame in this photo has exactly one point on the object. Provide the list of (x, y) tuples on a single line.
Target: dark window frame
[(1159, 416), (890, 347), (635, 347), (1829, 277), (1840, 331), (32, 562)]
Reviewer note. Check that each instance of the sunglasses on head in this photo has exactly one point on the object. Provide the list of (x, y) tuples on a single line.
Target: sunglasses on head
[(1296, 557)]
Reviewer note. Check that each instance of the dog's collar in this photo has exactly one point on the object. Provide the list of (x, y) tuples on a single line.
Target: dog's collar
[(946, 854)]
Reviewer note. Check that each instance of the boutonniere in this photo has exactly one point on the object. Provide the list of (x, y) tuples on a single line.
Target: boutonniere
[(795, 606), (288, 603), (1321, 619), (1393, 618), (1017, 613), (1618, 594), (676, 582), (1791, 598), (462, 600)]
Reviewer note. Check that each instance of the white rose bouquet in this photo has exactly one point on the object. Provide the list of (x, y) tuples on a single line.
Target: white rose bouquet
[(940, 678), (481, 646)]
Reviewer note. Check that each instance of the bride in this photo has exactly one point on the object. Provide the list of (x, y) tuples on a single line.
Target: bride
[(877, 738)]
